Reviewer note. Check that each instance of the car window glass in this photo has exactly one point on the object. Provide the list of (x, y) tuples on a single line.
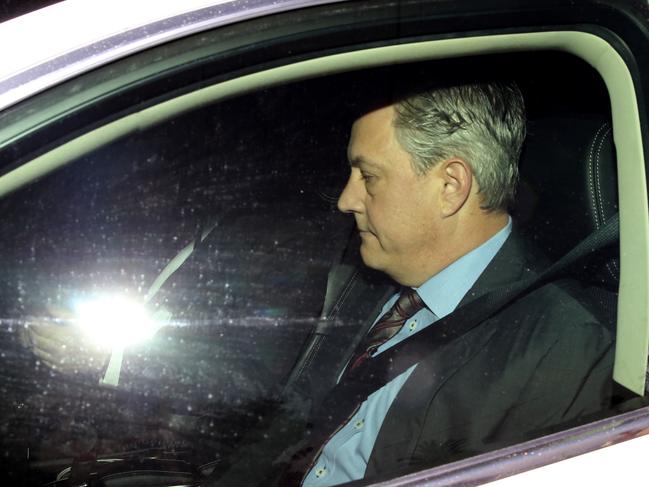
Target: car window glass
[(251, 183), (241, 305)]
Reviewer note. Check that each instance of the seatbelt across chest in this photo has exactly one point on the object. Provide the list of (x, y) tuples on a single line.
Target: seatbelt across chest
[(371, 375)]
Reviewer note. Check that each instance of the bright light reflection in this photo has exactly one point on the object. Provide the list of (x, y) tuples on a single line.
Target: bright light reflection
[(115, 321)]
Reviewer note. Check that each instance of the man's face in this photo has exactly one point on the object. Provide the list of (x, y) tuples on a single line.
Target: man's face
[(395, 209)]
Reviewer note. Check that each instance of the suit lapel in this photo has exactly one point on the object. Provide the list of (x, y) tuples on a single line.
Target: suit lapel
[(510, 264)]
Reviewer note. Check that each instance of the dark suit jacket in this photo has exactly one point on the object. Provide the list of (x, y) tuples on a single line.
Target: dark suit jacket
[(543, 362)]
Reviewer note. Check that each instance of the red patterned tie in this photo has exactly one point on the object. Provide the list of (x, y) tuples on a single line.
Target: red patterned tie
[(337, 411), (389, 325)]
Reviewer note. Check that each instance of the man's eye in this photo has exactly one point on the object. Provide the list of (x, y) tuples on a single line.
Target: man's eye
[(367, 177)]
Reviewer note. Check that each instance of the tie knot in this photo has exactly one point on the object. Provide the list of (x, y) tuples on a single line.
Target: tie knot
[(409, 303)]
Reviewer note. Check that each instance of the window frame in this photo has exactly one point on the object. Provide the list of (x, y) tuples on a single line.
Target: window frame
[(102, 41)]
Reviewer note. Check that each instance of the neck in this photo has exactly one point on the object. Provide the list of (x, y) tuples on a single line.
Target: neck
[(460, 238)]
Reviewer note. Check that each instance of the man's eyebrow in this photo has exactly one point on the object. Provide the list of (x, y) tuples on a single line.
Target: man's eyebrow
[(355, 161), (358, 160)]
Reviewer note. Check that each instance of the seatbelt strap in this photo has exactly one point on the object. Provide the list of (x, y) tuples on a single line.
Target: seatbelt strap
[(413, 349), (371, 375), (161, 316)]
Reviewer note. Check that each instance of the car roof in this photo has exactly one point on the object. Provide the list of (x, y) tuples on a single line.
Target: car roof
[(81, 35)]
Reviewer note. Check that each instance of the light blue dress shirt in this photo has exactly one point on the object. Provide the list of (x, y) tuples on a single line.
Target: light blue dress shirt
[(344, 458)]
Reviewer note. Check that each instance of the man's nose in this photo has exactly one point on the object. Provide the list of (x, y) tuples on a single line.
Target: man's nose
[(350, 200)]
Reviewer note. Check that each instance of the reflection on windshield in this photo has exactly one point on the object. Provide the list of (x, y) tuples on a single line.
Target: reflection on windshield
[(91, 369)]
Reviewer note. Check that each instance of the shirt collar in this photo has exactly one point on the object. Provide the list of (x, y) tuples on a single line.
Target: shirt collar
[(444, 291)]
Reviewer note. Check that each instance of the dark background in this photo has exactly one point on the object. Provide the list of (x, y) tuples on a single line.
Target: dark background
[(13, 8)]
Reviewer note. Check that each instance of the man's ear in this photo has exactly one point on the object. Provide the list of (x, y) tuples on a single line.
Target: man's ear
[(457, 178)]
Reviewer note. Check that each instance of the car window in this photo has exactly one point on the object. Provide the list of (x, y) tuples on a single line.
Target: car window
[(240, 197)]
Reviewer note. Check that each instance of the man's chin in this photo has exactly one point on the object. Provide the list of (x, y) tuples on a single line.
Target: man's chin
[(370, 256)]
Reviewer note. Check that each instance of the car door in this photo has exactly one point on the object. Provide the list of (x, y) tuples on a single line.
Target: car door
[(191, 164)]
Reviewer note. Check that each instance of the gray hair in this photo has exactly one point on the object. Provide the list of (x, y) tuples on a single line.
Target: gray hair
[(482, 124)]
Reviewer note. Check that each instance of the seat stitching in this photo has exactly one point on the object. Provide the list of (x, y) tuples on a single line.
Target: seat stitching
[(344, 294), (599, 192), (591, 184), (597, 173)]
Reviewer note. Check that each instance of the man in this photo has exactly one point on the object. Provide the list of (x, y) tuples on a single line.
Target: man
[(431, 179), (422, 211)]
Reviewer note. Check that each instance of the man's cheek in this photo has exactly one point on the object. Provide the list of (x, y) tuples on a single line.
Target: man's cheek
[(368, 254), (371, 245)]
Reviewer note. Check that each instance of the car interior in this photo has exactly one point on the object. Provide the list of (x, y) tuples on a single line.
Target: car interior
[(249, 183)]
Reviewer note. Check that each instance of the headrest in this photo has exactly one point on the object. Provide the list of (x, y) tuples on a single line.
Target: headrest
[(568, 187)]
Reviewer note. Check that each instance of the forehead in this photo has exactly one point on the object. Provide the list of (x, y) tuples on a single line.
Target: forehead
[(372, 134)]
